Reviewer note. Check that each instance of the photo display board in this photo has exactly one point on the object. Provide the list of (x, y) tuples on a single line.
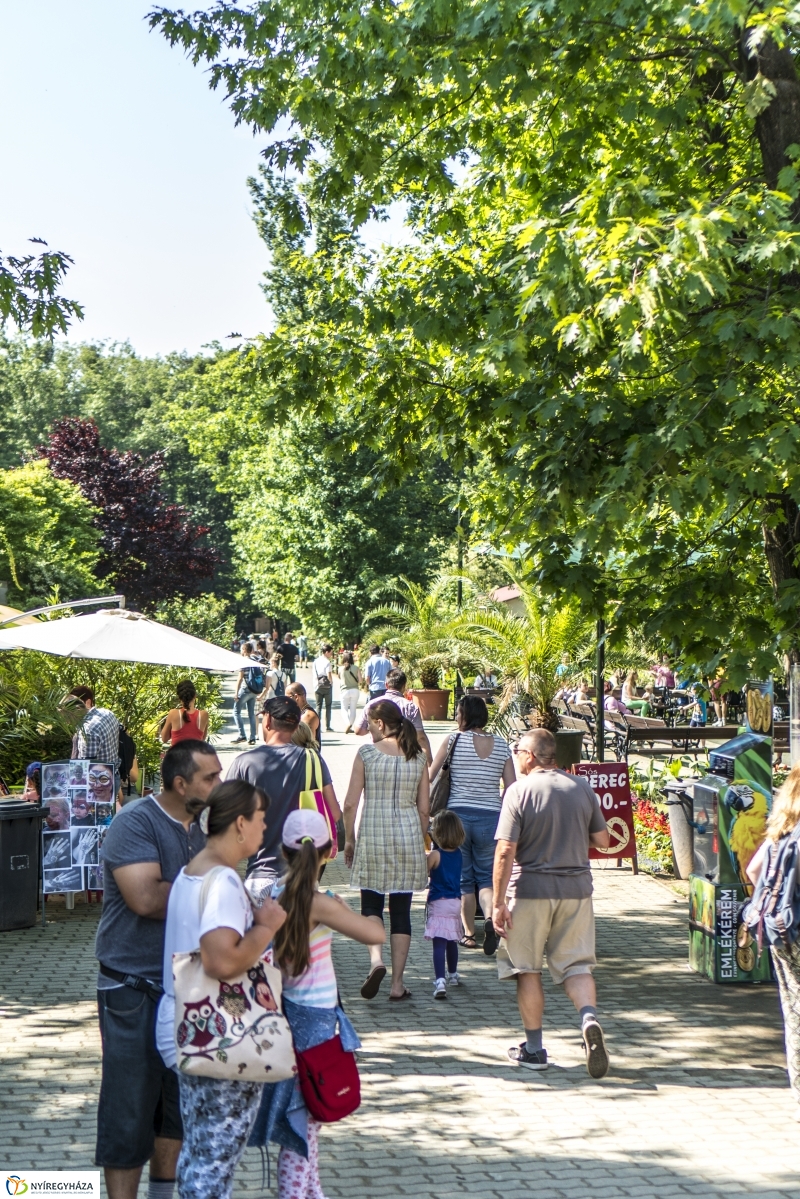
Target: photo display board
[(80, 796)]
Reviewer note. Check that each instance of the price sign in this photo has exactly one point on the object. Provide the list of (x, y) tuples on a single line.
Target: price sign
[(612, 789)]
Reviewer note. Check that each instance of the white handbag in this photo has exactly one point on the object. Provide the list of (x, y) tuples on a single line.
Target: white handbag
[(230, 1028)]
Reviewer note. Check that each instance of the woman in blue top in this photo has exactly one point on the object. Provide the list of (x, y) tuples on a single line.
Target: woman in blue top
[(443, 924)]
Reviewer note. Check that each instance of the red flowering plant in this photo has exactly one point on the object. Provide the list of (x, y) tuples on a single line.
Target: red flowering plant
[(650, 820)]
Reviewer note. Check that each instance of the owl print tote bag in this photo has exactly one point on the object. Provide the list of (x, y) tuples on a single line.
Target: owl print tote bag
[(230, 1028)]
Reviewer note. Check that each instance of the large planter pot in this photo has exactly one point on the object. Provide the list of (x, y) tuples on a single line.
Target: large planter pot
[(568, 747), (432, 704)]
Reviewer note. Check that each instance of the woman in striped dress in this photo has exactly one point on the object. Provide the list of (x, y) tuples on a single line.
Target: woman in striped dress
[(387, 854), (480, 770)]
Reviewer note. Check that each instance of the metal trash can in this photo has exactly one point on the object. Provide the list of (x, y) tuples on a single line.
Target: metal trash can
[(569, 744), (20, 825), (679, 811)]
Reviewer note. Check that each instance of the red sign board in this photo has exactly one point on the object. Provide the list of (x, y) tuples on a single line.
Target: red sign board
[(612, 789)]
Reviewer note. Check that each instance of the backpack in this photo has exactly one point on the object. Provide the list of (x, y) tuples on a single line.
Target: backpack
[(280, 685), (775, 906), (127, 753), (255, 679)]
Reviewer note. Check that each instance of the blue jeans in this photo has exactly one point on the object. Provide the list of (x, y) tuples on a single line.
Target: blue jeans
[(477, 852), (246, 700)]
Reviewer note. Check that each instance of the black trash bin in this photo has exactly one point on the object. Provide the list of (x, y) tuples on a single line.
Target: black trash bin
[(20, 825), (679, 810)]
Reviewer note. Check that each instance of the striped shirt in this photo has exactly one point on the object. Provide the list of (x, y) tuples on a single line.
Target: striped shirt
[(316, 986), (475, 782)]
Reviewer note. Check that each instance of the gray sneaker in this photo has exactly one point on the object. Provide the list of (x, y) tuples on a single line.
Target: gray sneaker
[(596, 1052), (520, 1056)]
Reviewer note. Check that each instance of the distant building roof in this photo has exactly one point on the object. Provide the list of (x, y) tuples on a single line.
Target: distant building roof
[(504, 595)]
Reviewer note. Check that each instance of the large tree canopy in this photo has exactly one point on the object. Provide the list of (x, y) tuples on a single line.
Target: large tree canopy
[(598, 321)]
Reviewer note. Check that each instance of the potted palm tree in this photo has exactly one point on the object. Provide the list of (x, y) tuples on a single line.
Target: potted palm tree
[(420, 627), (528, 650)]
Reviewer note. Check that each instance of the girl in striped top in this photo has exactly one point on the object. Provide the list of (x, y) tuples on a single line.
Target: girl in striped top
[(302, 949), (481, 767)]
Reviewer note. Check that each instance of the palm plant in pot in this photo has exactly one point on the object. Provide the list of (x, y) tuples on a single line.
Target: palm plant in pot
[(420, 627), (528, 649)]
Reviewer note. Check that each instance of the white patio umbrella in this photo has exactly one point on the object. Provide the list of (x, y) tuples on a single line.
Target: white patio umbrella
[(121, 636)]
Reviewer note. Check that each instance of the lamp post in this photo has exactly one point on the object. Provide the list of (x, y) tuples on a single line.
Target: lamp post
[(600, 732)]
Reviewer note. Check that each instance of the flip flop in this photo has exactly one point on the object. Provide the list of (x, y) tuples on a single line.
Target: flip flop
[(372, 982), (399, 998)]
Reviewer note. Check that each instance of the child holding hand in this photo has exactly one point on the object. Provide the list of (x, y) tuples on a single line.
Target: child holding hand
[(443, 923)]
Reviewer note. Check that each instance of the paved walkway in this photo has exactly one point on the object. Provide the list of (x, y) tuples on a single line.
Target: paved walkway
[(696, 1102)]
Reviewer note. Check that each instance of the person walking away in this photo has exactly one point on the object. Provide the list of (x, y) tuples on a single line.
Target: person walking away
[(302, 949), (231, 936), (289, 654), (260, 652), (547, 823), (278, 768), (323, 684), (481, 767), (783, 820), (387, 857), (308, 716), (375, 672), (350, 687), (302, 645), (147, 845), (395, 692), (97, 736), (443, 916), (186, 723), (250, 683)]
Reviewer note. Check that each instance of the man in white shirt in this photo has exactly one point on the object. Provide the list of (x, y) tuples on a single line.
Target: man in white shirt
[(323, 684)]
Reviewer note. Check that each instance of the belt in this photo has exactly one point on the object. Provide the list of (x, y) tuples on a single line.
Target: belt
[(133, 980)]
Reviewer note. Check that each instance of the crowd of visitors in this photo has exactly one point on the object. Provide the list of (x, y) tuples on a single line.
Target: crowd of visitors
[(231, 871)]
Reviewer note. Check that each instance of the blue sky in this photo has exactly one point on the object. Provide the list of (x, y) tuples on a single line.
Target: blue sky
[(114, 149)]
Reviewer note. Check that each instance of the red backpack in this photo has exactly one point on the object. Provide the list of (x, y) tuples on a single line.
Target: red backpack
[(329, 1081)]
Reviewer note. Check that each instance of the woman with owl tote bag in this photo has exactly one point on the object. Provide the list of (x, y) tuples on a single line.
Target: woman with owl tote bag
[(216, 916)]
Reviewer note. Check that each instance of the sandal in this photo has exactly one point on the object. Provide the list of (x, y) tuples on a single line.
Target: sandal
[(468, 942), (399, 998), (372, 982)]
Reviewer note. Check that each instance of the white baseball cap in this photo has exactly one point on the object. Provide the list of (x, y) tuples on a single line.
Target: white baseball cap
[(303, 825)]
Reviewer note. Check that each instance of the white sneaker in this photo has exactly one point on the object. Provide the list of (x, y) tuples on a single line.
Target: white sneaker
[(440, 989), (452, 980)]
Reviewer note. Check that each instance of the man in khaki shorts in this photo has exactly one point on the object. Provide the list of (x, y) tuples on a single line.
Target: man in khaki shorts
[(543, 895)]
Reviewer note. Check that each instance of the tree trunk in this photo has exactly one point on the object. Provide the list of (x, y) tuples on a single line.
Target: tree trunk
[(544, 720), (781, 532), (778, 126)]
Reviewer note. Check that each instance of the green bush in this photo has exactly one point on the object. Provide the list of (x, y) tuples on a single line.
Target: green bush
[(33, 726)]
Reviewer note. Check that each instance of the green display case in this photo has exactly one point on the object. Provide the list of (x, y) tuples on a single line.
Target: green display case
[(720, 946)]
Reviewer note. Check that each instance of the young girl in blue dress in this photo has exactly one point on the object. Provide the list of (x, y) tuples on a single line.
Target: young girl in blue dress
[(443, 924)]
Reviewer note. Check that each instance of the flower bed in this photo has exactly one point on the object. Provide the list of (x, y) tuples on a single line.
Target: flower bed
[(653, 840)]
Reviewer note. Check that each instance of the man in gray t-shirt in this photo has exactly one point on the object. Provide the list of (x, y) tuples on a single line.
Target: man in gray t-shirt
[(279, 769), (146, 846), (542, 901)]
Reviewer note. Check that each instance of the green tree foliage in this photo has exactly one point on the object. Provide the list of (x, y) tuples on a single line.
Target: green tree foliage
[(48, 540), (138, 406), (598, 322), (29, 292), (312, 536), (205, 616)]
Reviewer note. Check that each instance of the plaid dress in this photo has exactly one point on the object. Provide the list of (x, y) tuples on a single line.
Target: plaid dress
[(390, 850)]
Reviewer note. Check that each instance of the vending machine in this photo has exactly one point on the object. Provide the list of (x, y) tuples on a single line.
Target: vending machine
[(730, 806)]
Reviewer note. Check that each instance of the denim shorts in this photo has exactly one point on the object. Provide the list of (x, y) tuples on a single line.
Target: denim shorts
[(477, 852), (139, 1097)]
